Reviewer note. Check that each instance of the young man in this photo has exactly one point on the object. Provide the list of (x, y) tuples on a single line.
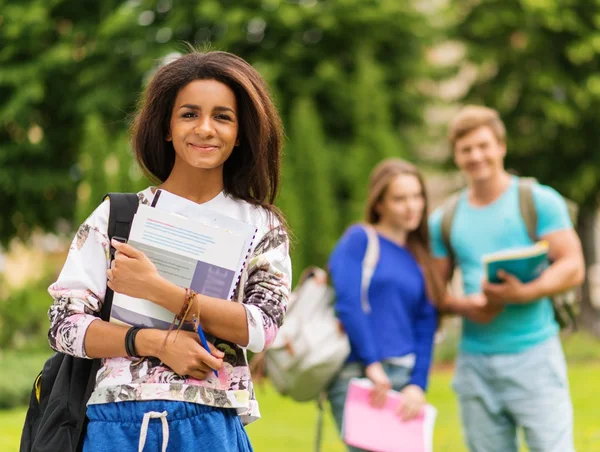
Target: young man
[(511, 370)]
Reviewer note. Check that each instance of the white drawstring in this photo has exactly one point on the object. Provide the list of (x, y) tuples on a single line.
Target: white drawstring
[(144, 430)]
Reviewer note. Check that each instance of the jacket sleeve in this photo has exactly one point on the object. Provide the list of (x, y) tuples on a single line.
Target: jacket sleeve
[(267, 289), (79, 291)]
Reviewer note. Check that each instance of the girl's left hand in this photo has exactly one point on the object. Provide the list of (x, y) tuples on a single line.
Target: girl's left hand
[(131, 272), (413, 402)]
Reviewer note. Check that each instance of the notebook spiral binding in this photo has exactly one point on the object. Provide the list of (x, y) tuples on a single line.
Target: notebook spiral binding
[(237, 292)]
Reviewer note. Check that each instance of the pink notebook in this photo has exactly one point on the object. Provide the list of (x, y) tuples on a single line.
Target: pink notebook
[(381, 429)]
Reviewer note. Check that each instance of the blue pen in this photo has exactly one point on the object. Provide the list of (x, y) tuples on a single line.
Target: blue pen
[(204, 342)]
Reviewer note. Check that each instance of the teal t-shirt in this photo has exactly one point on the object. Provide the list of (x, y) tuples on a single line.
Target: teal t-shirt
[(498, 226)]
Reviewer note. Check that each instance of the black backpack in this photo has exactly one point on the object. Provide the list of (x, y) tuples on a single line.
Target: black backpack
[(56, 419)]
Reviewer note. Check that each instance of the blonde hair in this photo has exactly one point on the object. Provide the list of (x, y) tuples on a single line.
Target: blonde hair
[(472, 117), (417, 241)]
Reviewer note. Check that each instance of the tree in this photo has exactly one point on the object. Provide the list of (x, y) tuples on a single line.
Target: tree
[(343, 74), (310, 159), (540, 67), (58, 64)]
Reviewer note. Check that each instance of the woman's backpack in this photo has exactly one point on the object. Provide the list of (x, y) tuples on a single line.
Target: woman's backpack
[(311, 346), (56, 419)]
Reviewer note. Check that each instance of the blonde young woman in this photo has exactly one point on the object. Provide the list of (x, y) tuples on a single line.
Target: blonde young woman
[(391, 345)]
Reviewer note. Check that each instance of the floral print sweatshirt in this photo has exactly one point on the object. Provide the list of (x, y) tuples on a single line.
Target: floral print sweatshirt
[(79, 293)]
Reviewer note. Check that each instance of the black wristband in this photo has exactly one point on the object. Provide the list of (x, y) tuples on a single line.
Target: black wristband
[(130, 341)]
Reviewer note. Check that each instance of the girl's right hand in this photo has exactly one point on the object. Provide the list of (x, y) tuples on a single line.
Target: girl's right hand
[(186, 356), (381, 384)]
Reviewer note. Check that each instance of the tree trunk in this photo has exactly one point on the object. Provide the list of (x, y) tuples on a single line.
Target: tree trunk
[(589, 317)]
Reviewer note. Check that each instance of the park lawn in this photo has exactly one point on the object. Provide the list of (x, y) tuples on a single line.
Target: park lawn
[(11, 424), (289, 426)]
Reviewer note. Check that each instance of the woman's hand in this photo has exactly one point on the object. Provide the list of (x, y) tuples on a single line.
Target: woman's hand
[(381, 382), (413, 402), (131, 272), (183, 353)]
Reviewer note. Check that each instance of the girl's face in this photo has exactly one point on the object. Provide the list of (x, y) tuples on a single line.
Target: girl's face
[(204, 125), (402, 204)]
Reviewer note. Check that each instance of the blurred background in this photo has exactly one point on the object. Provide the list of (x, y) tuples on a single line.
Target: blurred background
[(354, 80)]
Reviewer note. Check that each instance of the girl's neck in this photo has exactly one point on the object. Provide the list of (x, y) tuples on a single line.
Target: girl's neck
[(485, 192), (392, 233), (197, 185)]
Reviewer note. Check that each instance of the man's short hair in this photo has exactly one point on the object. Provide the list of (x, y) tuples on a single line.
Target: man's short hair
[(472, 117)]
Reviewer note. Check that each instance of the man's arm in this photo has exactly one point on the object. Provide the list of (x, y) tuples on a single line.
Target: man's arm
[(474, 307), (568, 266), (566, 271)]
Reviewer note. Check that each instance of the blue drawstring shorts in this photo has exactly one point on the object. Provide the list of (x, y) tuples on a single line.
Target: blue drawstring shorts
[(163, 426)]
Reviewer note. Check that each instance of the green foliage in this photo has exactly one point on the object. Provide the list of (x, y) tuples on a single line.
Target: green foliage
[(540, 66), (17, 374), (343, 74), (107, 165), (53, 72), (309, 158), (24, 317)]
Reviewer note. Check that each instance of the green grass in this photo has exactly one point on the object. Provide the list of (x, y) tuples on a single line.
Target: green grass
[(11, 424), (288, 426), (17, 373)]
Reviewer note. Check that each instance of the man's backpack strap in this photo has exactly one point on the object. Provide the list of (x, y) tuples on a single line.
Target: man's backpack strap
[(448, 213), (123, 207), (565, 303), (369, 264), (527, 207)]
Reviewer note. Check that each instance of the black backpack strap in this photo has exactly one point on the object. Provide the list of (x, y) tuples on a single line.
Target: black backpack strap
[(123, 207)]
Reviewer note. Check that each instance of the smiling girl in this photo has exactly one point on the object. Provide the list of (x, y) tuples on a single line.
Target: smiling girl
[(206, 131)]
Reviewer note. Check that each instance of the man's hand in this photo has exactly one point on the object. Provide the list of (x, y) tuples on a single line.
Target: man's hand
[(510, 290)]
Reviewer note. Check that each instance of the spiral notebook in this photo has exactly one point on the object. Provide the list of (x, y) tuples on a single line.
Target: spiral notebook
[(205, 251), (381, 429), (170, 202)]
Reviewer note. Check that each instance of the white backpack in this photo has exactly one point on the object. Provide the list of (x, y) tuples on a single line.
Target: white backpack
[(311, 346)]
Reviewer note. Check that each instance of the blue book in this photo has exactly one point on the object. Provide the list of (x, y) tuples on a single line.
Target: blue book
[(525, 263)]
